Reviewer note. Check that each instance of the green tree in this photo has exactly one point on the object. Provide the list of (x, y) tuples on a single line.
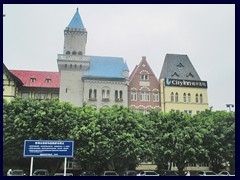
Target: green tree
[(123, 136), (178, 140), (219, 137), (33, 119)]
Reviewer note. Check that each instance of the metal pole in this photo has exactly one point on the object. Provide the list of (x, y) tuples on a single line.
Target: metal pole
[(31, 166), (65, 166)]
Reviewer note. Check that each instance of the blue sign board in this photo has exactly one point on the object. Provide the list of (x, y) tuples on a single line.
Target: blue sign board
[(48, 148)]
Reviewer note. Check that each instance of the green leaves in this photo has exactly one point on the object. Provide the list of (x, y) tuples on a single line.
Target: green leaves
[(119, 136)]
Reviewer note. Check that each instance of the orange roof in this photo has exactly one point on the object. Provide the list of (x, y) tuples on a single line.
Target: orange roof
[(38, 78)]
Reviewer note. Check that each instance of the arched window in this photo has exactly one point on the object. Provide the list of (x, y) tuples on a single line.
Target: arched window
[(74, 53), (184, 97), (68, 52), (172, 96), (95, 93), (176, 97), (189, 97), (144, 75), (80, 53), (201, 98), (105, 93), (120, 94), (90, 93), (196, 98)]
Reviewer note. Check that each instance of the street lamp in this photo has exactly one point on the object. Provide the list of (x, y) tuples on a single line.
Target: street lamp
[(229, 106)]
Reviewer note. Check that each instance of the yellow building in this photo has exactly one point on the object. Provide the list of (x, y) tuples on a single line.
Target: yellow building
[(181, 87), (10, 84)]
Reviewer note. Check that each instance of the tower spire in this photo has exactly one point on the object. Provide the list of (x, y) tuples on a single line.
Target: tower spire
[(76, 21)]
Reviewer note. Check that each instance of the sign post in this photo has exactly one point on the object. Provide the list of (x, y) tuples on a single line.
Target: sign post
[(48, 148), (31, 166), (65, 166)]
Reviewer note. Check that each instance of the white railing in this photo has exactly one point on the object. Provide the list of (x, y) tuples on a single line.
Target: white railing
[(72, 57)]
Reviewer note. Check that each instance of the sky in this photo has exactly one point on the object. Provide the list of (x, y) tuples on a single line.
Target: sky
[(33, 35)]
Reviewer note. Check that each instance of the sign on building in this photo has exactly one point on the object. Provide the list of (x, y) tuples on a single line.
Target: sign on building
[(185, 83)]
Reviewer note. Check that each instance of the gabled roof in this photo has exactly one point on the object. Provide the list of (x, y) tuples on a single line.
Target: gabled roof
[(177, 66), (143, 65), (76, 21), (133, 73), (106, 68), (5, 69), (42, 78)]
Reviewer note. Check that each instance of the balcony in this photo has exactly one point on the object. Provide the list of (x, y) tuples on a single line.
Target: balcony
[(92, 99), (105, 99), (118, 100), (73, 57)]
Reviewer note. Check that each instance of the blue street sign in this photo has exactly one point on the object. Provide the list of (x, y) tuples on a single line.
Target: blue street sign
[(48, 148)]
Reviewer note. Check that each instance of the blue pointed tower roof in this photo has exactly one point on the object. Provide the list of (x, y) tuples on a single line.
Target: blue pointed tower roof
[(76, 21)]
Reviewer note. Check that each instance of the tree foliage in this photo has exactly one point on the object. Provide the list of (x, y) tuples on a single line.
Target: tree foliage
[(118, 137)]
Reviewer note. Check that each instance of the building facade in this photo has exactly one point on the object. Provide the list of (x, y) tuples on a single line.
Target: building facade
[(96, 80), (37, 84), (144, 88), (10, 84), (181, 87)]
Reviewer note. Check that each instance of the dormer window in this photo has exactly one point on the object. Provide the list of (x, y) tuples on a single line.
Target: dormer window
[(32, 79), (180, 65), (190, 74), (47, 80), (175, 74)]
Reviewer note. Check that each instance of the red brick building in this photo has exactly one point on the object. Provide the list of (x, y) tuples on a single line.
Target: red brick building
[(144, 88)]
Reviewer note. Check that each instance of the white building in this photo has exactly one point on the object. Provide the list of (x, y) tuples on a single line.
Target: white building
[(99, 81)]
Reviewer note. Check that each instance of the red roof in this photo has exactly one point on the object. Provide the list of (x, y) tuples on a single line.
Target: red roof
[(42, 78)]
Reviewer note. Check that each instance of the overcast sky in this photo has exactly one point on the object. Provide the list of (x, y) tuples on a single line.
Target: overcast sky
[(33, 36)]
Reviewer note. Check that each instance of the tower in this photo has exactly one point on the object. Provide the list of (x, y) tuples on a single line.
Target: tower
[(75, 37), (73, 62)]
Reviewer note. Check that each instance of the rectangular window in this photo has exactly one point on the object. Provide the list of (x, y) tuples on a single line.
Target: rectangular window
[(54, 96), (40, 96), (155, 97), (144, 96), (25, 95), (133, 95), (144, 77)]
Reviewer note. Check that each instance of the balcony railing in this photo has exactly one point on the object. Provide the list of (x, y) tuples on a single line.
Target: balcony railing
[(105, 99), (119, 100), (73, 57)]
